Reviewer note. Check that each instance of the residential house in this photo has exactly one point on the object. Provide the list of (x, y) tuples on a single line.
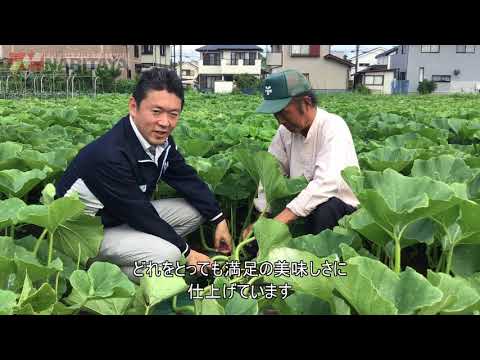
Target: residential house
[(220, 63), (153, 56), (74, 56), (325, 71), (189, 73), (455, 68), (378, 78), (365, 59)]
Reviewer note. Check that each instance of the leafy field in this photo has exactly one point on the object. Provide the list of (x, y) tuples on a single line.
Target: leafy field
[(413, 247)]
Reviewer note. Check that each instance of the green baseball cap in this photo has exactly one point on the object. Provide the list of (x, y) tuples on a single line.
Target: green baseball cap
[(279, 88)]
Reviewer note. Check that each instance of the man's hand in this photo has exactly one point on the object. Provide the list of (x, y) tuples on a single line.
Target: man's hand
[(286, 216), (194, 258), (247, 232), (223, 240)]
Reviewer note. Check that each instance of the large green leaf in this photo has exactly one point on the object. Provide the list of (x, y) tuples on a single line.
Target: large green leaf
[(305, 304), (80, 237), (9, 210), (7, 265), (474, 188), (210, 170), (8, 301), (466, 260), (270, 234), (100, 288), (238, 305), (322, 245), (319, 286), (394, 201), (36, 301), (57, 160), (194, 147), (26, 262), (16, 183), (264, 168), (458, 294), (75, 234), (362, 222), (9, 155), (156, 289), (409, 141), (445, 168), (388, 157), (208, 307), (53, 215), (371, 288)]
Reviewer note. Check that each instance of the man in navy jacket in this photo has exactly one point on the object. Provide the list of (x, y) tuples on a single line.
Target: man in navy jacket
[(116, 175)]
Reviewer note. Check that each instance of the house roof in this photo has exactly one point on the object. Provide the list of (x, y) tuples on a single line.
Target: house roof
[(388, 52), (375, 68), (229, 47), (337, 59)]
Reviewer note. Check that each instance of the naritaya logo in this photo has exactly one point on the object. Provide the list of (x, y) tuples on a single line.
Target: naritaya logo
[(268, 90)]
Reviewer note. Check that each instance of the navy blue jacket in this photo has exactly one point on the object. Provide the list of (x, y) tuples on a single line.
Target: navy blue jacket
[(115, 166)]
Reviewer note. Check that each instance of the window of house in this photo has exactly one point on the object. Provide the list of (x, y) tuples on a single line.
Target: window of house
[(129, 73), (187, 72), (147, 50), (276, 48), (211, 59), (234, 56), (135, 51), (430, 48), (162, 50), (470, 49), (421, 74), (364, 64), (211, 81), (374, 80), (250, 58), (441, 78), (299, 50), (402, 75), (307, 76)]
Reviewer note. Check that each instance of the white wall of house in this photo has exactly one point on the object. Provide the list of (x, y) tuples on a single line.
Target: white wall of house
[(385, 88), (189, 72), (156, 58), (223, 87), (445, 62), (226, 68), (1, 51), (323, 74), (367, 58)]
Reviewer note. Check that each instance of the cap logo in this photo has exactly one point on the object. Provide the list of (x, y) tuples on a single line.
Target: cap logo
[(268, 90)]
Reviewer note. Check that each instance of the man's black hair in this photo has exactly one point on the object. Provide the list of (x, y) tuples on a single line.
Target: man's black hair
[(158, 79)]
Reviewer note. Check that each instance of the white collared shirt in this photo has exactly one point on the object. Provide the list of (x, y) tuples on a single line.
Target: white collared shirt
[(320, 157), (146, 145)]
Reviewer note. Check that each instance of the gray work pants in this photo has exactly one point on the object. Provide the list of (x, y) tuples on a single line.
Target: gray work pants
[(123, 245)]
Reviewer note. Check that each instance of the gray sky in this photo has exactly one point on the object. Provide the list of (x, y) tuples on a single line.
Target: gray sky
[(189, 53)]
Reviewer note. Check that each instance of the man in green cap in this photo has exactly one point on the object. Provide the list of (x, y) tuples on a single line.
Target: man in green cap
[(310, 142)]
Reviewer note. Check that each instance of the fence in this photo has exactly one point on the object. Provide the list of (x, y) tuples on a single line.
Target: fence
[(400, 86), (52, 85)]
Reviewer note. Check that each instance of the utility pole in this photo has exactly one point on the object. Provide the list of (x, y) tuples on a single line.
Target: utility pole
[(174, 60), (181, 63), (357, 49)]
